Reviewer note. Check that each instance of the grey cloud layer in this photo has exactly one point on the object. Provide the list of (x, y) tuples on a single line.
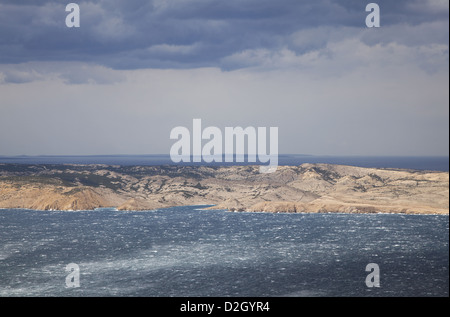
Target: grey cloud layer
[(200, 33), (135, 69)]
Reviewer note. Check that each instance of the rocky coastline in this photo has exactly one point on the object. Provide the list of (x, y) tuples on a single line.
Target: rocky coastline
[(308, 188)]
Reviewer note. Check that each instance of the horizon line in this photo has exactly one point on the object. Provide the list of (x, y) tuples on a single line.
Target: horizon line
[(234, 154)]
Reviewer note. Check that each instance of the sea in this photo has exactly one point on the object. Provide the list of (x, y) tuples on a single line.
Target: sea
[(434, 163), (193, 252)]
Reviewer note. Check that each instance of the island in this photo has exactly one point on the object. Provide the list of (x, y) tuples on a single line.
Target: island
[(308, 188)]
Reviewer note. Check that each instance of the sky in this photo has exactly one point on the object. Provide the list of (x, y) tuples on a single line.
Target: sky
[(136, 69)]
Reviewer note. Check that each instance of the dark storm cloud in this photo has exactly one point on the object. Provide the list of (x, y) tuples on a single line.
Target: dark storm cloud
[(137, 68), (182, 34)]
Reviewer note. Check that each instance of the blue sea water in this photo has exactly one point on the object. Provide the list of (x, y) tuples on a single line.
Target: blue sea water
[(187, 251), (436, 163)]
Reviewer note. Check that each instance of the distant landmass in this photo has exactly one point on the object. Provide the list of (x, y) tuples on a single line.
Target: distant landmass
[(304, 188), (434, 163)]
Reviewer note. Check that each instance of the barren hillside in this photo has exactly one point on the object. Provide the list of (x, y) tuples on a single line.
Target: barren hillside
[(304, 188)]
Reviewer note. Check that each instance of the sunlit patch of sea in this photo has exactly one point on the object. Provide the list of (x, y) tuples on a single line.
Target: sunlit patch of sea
[(189, 251)]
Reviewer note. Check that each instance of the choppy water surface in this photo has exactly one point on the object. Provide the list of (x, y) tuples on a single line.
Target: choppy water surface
[(186, 251)]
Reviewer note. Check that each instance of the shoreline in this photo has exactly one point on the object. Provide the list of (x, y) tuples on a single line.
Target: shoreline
[(114, 209), (308, 188)]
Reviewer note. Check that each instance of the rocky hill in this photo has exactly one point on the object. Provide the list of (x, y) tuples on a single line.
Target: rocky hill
[(304, 188)]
